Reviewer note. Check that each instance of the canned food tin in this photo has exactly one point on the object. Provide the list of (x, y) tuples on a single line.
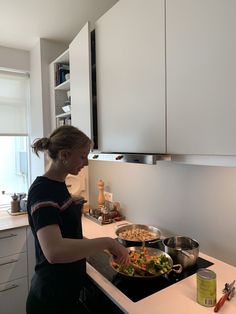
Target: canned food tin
[(206, 287)]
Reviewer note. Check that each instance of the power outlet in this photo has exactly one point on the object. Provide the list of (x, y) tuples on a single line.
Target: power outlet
[(108, 196)]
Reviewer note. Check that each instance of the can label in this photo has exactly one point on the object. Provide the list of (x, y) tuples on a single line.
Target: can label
[(206, 287)]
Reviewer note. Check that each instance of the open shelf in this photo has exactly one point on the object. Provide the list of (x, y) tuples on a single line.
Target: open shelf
[(62, 115), (63, 86)]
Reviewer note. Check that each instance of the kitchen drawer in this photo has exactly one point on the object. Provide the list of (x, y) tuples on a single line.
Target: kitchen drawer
[(12, 241), (13, 296), (13, 267)]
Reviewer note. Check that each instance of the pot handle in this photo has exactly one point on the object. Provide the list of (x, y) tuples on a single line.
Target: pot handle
[(177, 268), (154, 241), (124, 224)]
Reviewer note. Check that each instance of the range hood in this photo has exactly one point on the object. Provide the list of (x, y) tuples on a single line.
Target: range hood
[(149, 159)]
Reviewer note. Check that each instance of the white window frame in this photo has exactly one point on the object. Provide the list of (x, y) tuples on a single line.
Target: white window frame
[(12, 71)]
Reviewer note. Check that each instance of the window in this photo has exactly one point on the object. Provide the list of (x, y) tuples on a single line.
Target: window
[(14, 141)]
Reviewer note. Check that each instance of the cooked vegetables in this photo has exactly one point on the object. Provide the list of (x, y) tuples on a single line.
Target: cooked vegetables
[(137, 234), (143, 264)]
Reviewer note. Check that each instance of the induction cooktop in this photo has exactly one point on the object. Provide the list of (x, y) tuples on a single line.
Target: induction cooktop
[(135, 288)]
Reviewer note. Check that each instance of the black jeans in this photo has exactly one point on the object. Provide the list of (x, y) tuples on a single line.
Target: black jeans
[(53, 306)]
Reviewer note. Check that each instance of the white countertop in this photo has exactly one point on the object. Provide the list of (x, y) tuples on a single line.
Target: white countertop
[(179, 298)]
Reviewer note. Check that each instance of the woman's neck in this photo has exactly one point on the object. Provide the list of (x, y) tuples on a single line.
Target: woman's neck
[(55, 173)]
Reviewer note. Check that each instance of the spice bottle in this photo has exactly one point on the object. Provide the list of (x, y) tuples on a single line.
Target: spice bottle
[(101, 197), (15, 204)]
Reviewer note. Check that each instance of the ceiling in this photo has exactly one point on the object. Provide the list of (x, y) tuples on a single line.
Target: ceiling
[(23, 22)]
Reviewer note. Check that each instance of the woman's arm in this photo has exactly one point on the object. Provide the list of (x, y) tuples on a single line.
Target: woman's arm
[(57, 249)]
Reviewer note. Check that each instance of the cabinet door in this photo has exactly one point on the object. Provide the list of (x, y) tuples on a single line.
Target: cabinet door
[(13, 296), (131, 77), (13, 267), (80, 77), (201, 77), (12, 241)]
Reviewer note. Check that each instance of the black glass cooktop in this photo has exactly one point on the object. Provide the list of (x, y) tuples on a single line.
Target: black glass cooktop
[(135, 288)]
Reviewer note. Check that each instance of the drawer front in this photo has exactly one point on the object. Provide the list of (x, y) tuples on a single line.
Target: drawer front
[(13, 296), (13, 267), (12, 241)]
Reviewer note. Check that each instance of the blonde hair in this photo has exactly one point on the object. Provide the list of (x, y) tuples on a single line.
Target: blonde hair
[(64, 137)]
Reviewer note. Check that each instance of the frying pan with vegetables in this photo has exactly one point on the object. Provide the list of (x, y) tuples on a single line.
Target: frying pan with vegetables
[(146, 263)]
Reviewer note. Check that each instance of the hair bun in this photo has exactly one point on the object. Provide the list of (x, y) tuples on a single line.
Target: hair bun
[(45, 143)]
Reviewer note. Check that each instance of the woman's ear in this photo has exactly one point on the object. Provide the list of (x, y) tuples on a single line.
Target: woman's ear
[(63, 155)]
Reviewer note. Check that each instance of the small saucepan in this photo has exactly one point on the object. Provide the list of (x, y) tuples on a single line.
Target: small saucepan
[(183, 250), (137, 234)]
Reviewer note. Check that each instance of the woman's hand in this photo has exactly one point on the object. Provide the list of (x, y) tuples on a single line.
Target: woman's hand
[(119, 252)]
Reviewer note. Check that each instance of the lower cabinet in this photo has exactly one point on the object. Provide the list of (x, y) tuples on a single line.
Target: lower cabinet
[(13, 267), (12, 241), (16, 267), (13, 296)]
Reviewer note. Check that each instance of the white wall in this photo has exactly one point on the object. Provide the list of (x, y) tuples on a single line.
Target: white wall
[(197, 201), (36, 110), (14, 59), (40, 57)]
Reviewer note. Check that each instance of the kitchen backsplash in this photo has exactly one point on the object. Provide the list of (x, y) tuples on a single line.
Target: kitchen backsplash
[(196, 201)]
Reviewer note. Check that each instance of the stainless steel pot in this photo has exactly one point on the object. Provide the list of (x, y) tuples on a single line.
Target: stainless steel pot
[(131, 228), (183, 250)]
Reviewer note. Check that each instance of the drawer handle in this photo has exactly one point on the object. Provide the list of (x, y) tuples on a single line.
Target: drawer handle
[(9, 287), (8, 236), (9, 262)]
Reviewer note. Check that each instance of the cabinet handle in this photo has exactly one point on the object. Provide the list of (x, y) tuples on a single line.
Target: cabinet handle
[(8, 236), (9, 287), (9, 262)]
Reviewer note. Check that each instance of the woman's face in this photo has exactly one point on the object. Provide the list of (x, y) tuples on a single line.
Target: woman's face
[(76, 159)]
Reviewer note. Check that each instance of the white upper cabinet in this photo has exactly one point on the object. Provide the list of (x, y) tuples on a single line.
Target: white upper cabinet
[(130, 62), (80, 81), (201, 76)]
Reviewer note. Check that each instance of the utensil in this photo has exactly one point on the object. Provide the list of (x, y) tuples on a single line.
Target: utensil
[(130, 229), (228, 294), (144, 274), (183, 250)]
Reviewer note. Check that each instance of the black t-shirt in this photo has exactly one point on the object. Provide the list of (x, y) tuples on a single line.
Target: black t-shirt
[(49, 202)]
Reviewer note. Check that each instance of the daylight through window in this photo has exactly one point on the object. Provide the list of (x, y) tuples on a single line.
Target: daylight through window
[(14, 161)]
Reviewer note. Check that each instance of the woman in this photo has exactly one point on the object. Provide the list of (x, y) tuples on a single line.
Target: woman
[(55, 220)]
